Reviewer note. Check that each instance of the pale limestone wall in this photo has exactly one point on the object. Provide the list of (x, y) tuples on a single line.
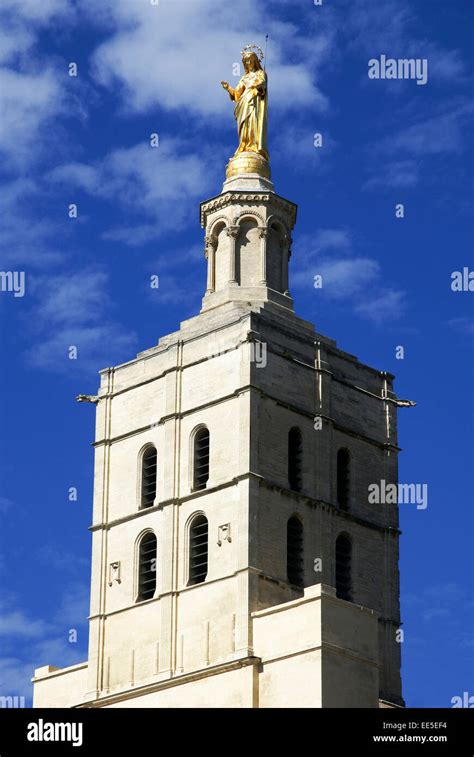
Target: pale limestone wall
[(247, 253), (333, 660), (232, 689), (203, 374), (293, 399), (292, 682), (275, 261), (222, 260), (56, 687)]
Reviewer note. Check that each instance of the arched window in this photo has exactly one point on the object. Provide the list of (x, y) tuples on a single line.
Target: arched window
[(294, 551), (198, 550), (343, 567), (343, 478), (147, 567), (148, 477), (201, 459), (295, 459)]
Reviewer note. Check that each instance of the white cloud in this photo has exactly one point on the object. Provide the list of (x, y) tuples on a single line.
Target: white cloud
[(442, 133), (464, 325), (14, 622), (26, 238), (157, 183), (34, 12), (15, 43), (346, 278), (393, 28), (27, 102), (182, 278), (33, 88), (331, 239), (396, 174), (72, 310), (294, 145), (30, 642), (73, 607), (174, 55), (140, 176), (56, 557), (382, 306), (69, 299)]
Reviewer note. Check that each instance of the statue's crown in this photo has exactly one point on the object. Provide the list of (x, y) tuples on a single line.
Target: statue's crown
[(253, 49)]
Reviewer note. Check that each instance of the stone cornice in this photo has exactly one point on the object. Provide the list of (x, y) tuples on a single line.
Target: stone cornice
[(250, 475), (176, 680), (227, 199)]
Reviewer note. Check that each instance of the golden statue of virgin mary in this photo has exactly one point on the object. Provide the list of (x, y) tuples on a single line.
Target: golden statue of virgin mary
[(251, 107)]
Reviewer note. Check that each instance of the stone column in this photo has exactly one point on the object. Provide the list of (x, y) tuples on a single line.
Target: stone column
[(285, 247), (210, 253), (263, 234), (232, 232)]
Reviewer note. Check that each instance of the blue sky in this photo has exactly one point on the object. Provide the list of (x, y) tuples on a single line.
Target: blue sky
[(146, 69)]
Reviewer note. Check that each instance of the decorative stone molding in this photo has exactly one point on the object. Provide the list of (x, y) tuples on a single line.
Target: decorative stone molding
[(248, 214), (232, 231), (223, 534), (114, 572), (220, 219), (230, 198), (210, 244)]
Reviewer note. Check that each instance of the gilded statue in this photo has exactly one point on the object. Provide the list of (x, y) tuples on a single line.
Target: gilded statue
[(251, 104)]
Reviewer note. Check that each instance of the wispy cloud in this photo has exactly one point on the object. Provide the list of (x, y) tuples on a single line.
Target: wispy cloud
[(33, 88), (441, 133), (385, 305), (155, 183), (29, 101), (14, 622), (463, 324), (27, 238), (395, 174), (297, 146), (392, 28), (398, 159), (29, 642), (346, 276), (73, 310), (165, 38)]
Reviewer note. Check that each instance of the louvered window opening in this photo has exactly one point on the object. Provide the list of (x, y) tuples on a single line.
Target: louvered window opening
[(295, 562), (295, 459), (149, 465), (198, 550), (201, 459), (147, 567), (343, 478), (343, 568)]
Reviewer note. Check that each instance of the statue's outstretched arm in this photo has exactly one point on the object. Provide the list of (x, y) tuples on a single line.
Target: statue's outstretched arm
[(234, 94)]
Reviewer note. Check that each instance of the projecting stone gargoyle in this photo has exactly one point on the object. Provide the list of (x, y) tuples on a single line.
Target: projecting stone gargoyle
[(94, 398)]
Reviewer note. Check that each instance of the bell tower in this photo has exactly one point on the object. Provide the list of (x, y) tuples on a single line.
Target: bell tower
[(236, 558), (247, 244)]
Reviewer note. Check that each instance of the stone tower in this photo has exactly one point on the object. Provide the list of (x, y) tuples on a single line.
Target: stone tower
[(236, 560)]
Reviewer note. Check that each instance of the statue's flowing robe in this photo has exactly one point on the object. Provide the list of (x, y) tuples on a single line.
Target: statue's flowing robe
[(251, 112)]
